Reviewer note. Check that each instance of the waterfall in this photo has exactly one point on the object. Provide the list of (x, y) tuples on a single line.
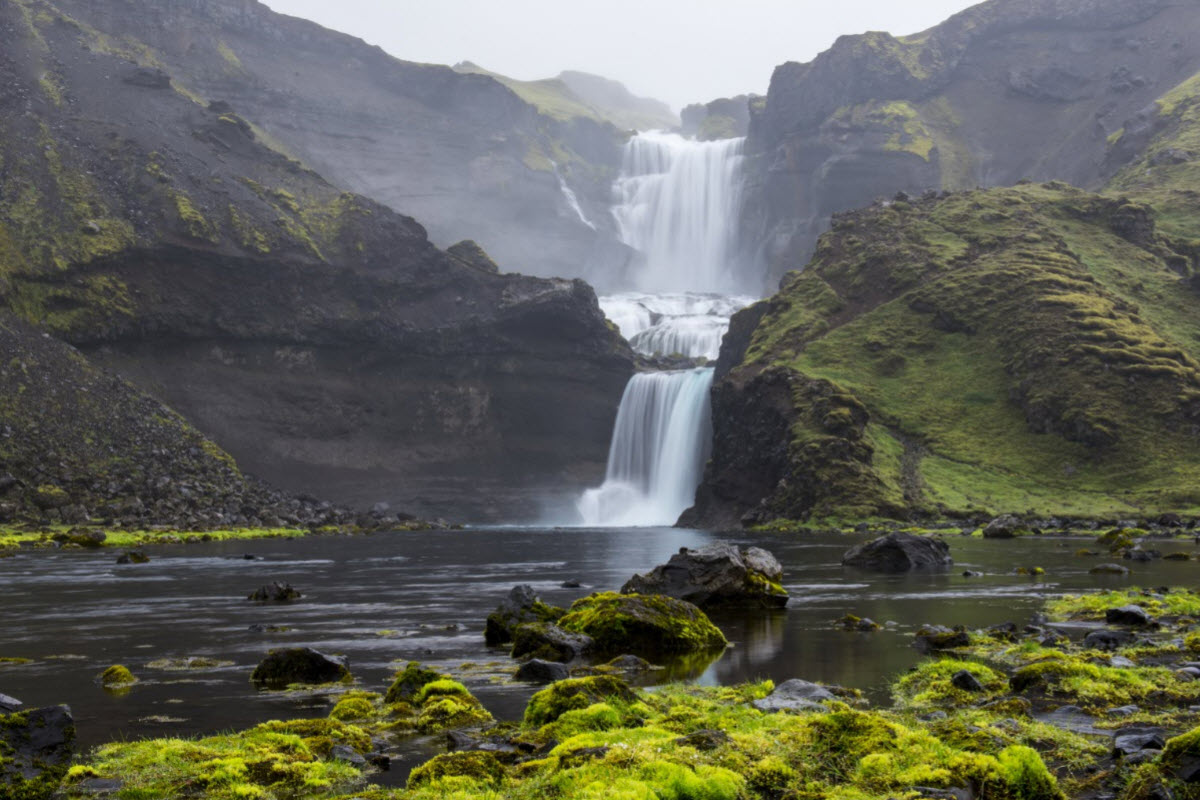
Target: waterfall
[(571, 198), (678, 205), (658, 451)]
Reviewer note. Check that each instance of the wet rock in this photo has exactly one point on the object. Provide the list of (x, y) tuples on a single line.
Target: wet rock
[(9, 704), (521, 606), (1123, 711), (1134, 740), (1107, 640), (899, 552), (549, 642), (966, 681), (795, 695), (538, 671), (570, 585), (1121, 662), (630, 664), (133, 557), (1005, 527), (1128, 615), (718, 574), (275, 593), (932, 638), (1143, 556), (341, 752), (301, 665), (703, 740), (970, 573), (37, 746), (646, 625), (861, 624), (1109, 569)]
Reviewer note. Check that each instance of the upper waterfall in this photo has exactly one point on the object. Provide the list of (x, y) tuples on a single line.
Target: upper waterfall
[(678, 204)]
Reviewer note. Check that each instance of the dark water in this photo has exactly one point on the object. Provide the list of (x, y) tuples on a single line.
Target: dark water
[(384, 599)]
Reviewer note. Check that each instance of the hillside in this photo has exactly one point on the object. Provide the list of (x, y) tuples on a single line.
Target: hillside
[(1004, 91), (316, 335), (1033, 349), (463, 153)]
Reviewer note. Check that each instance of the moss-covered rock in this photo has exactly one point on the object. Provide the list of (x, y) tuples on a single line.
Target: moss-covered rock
[(642, 624), (411, 680), (575, 694), (520, 607), (117, 676), (299, 665), (483, 770)]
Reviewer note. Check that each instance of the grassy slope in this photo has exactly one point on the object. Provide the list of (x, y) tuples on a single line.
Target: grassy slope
[(1026, 349)]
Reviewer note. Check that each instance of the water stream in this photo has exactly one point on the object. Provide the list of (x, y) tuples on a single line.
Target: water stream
[(387, 598)]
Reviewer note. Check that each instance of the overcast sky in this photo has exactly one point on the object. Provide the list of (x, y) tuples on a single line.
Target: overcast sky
[(680, 51)]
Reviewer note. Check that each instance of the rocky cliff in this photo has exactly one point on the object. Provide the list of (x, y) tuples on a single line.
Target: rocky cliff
[(316, 335), (1007, 90), (460, 151), (1032, 349)]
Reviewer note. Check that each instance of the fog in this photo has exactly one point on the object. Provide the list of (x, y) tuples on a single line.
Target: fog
[(680, 52)]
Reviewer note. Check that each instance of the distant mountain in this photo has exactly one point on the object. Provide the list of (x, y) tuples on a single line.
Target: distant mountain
[(316, 335)]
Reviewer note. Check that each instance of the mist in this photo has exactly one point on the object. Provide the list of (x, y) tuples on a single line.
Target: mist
[(677, 52)]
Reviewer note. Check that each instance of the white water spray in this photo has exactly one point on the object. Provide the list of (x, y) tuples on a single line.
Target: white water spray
[(571, 198), (658, 451), (678, 205)]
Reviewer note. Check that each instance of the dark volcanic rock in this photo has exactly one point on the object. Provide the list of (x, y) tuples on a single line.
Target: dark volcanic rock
[(718, 574), (521, 606), (934, 638), (899, 552), (275, 592), (547, 641), (1128, 615), (538, 671), (299, 665), (37, 746), (1107, 640), (1005, 527), (966, 681)]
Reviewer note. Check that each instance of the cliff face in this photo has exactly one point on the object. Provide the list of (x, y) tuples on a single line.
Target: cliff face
[(459, 151), (316, 335), (1007, 90)]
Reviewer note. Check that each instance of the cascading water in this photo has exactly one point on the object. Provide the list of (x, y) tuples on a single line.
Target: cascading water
[(678, 202)]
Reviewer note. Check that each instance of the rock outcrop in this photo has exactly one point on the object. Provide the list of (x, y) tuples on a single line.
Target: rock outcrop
[(1039, 89), (36, 747), (317, 336), (716, 575), (899, 552)]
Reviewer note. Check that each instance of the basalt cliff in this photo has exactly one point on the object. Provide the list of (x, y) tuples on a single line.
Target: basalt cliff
[(150, 220)]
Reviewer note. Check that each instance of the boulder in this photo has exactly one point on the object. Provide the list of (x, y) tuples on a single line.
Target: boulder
[(646, 625), (9, 704), (795, 695), (575, 693), (274, 593), (1127, 741), (1107, 640), (520, 607), (133, 557), (1128, 615), (966, 681), (719, 574), (1181, 757), (539, 671), (37, 746), (1005, 526), (933, 638), (547, 641), (299, 665), (899, 552), (1109, 569)]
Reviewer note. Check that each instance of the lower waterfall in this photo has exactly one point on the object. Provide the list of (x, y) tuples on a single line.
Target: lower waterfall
[(659, 447)]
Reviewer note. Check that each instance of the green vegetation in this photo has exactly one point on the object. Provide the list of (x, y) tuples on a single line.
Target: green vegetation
[(1028, 349), (642, 624)]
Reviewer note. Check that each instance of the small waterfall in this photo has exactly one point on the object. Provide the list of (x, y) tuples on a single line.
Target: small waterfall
[(689, 325), (658, 451), (571, 198), (678, 204)]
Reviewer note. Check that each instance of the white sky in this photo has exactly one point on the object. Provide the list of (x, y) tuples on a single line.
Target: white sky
[(680, 51)]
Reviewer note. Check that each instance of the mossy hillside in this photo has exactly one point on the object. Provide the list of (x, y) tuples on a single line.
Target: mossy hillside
[(1004, 350)]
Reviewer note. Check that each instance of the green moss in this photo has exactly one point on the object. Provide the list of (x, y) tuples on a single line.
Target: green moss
[(574, 694), (481, 770), (930, 686), (410, 681), (195, 223), (117, 676), (642, 624)]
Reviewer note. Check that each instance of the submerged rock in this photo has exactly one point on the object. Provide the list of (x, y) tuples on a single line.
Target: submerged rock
[(795, 695), (302, 665), (275, 593), (520, 607), (899, 552), (651, 625), (1109, 569), (36, 748), (133, 557), (716, 575), (932, 638)]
